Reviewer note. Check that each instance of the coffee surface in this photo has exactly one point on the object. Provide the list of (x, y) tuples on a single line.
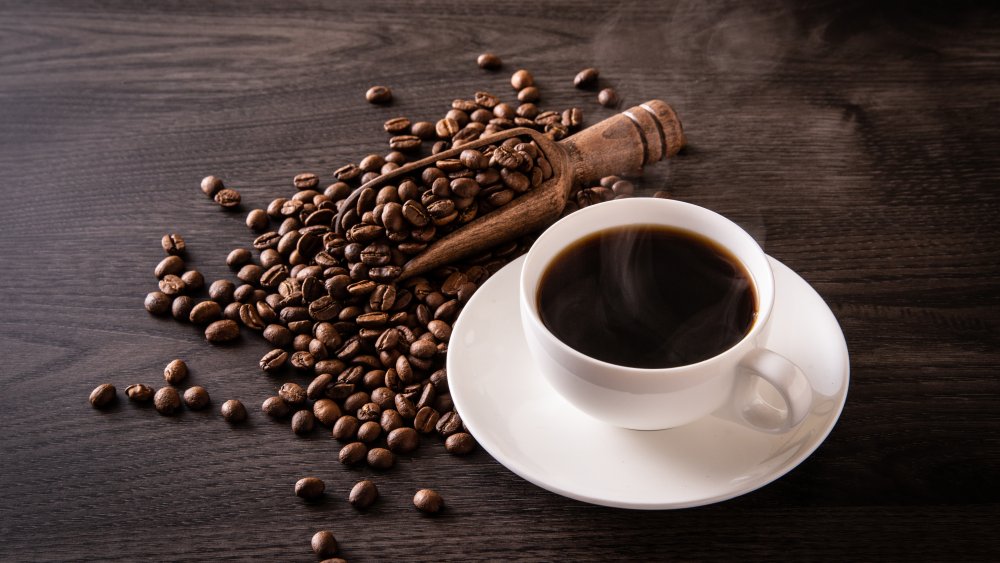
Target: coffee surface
[(647, 296)]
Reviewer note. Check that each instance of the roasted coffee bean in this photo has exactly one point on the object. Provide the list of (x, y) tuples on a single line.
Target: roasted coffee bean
[(275, 407), (363, 494), (440, 329), (405, 143), (292, 393), (354, 401), (391, 420), (428, 501), (369, 431), (303, 422), (222, 331), (167, 400), (244, 293), (488, 61), (227, 198), (423, 129), (157, 303), (439, 379), (528, 94), (103, 396), (251, 273), (196, 398), (278, 335), (586, 78), (607, 97), (426, 419), (250, 317), (369, 412), (324, 544), (310, 488), (447, 128), (238, 257), (232, 311), (448, 424), (353, 453), (317, 387), (403, 440), (381, 458), (346, 428), (378, 95), (210, 185), (171, 265), (267, 240), (327, 412), (221, 291), (305, 181), (257, 220), (572, 117), (460, 443), (233, 411), (396, 125), (171, 285), (193, 280), (173, 243), (302, 360), (521, 79), (273, 360), (139, 393), (384, 397), (175, 372), (623, 187)]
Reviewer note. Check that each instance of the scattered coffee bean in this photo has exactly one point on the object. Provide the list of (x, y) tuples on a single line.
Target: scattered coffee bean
[(175, 372), (210, 185), (662, 194), (324, 544), (227, 198), (237, 257), (193, 280), (257, 220), (275, 407), (139, 393), (310, 488), (172, 285), (305, 181), (363, 494), (608, 97), (221, 291), (303, 422), (233, 411), (528, 94), (167, 400), (428, 501), (171, 265), (173, 243), (369, 432), (378, 95), (196, 398), (353, 453), (396, 126), (222, 331), (425, 420), (403, 440), (345, 429), (522, 79), (205, 312), (327, 412), (488, 61), (586, 78), (103, 395), (157, 303), (460, 443), (381, 458), (292, 393)]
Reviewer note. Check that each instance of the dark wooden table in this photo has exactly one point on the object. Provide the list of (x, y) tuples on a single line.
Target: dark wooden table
[(858, 142)]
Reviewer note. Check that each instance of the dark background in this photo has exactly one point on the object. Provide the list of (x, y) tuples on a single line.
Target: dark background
[(857, 141)]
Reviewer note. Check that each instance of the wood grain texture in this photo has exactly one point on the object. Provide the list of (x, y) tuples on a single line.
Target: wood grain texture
[(857, 141)]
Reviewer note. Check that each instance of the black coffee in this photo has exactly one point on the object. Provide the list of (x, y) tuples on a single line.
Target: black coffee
[(647, 296)]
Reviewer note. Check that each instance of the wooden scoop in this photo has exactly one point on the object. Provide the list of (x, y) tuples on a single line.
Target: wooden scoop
[(622, 144)]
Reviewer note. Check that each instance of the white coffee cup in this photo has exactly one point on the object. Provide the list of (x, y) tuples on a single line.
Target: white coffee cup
[(727, 384)]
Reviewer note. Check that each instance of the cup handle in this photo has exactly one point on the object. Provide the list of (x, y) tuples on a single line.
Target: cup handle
[(785, 378)]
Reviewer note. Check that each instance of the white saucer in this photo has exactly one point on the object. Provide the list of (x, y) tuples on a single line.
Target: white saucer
[(529, 428)]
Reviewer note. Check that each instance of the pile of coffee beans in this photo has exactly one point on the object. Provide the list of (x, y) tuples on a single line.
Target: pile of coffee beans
[(319, 281)]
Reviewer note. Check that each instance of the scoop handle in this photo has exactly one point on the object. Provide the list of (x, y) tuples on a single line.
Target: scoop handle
[(623, 144)]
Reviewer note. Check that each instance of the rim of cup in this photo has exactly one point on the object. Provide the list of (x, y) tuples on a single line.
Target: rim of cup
[(764, 292)]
